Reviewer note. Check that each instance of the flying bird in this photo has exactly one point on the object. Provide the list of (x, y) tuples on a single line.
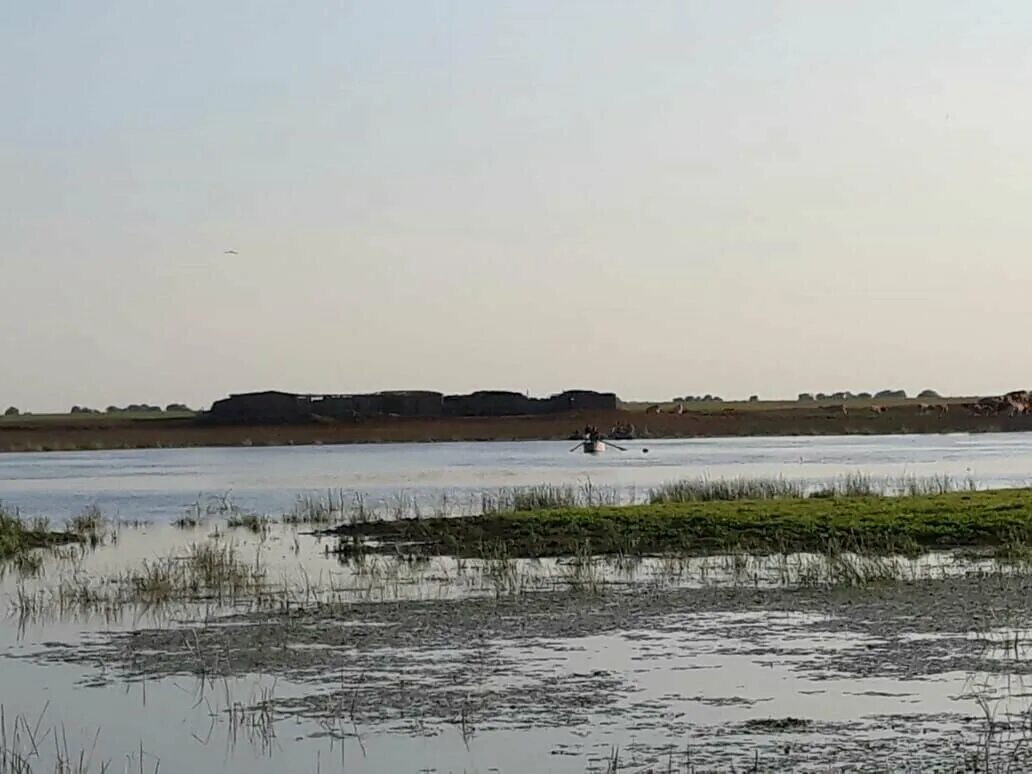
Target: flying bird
[(230, 252)]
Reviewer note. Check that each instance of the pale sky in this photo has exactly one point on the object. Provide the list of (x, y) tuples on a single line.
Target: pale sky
[(654, 198)]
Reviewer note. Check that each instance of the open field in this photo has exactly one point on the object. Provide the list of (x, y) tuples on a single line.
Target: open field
[(88, 419), (86, 432)]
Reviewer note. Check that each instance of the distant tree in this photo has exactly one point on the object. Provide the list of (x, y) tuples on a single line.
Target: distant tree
[(142, 408), (901, 394), (928, 394), (805, 396), (184, 407), (754, 398), (864, 395), (11, 412), (112, 409)]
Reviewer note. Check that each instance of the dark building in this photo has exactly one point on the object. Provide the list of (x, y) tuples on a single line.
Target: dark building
[(273, 406), (498, 403), (412, 403), (335, 406), (584, 400), (265, 407), (489, 403)]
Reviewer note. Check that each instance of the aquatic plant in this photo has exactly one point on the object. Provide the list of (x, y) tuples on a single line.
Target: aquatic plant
[(249, 521), (18, 537), (89, 522)]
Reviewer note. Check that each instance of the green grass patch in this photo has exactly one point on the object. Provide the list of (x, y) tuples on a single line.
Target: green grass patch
[(905, 524)]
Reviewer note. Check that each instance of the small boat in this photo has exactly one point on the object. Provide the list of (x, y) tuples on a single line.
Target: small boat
[(593, 443)]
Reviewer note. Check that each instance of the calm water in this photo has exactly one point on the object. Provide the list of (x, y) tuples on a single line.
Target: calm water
[(156, 485), (679, 679)]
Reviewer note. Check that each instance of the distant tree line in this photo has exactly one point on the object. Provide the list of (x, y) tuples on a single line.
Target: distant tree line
[(880, 395), (137, 408), (698, 399), (143, 408), (132, 408)]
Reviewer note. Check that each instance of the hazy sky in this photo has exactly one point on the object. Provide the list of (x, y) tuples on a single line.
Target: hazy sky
[(649, 197)]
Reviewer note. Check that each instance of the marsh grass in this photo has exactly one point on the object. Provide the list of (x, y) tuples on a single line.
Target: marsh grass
[(193, 516), (27, 747), (887, 525), (89, 521), (548, 496), (18, 538), (809, 541), (208, 572), (252, 522), (339, 505), (706, 489), (710, 490), (316, 509), (584, 573)]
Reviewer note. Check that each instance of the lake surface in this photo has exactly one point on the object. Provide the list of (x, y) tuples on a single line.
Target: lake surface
[(487, 666), (158, 484)]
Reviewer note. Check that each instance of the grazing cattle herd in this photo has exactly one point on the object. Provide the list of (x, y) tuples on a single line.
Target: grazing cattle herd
[(1015, 403)]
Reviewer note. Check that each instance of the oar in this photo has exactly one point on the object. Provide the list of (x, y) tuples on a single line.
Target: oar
[(610, 443), (577, 446)]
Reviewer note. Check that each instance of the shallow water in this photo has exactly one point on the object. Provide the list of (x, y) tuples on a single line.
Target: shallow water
[(663, 674), (450, 666), (158, 484)]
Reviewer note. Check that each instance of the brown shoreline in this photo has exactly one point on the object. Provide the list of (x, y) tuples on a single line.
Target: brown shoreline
[(97, 433)]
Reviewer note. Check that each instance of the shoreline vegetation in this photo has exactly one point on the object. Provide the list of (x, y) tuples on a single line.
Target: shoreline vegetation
[(854, 515), (695, 519), (94, 432), (18, 538)]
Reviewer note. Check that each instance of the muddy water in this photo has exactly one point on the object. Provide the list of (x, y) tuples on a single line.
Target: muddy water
[(156, 485), (440, 667)]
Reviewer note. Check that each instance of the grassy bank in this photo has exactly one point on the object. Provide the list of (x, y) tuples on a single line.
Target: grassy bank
[(870, 523)]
